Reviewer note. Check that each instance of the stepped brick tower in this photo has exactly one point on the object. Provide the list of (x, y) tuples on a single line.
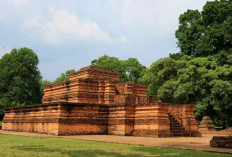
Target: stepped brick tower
[(94, 101)]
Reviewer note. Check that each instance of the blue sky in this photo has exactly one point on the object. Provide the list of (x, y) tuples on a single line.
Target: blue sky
[(68, 34)]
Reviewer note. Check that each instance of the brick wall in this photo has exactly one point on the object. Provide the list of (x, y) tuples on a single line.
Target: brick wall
[(58, 119), (36, 118)]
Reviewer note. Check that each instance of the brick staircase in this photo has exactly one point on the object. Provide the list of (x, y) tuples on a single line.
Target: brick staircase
[(176, 128)]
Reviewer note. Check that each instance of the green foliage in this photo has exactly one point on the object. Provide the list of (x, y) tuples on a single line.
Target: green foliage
[(1, 112), (166, 91), (19, 78), (199, 81), (207, 32), (176, 56), (204, 81), (45, 83), (131, 70), (62, 77), (134, 70), (221, 95)]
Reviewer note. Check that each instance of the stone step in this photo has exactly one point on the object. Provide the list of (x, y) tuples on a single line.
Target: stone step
[(176, 128), (181, 135), (179, 131), (177, 125)]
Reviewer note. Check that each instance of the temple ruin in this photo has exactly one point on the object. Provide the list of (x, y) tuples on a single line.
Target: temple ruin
[(94, 101)]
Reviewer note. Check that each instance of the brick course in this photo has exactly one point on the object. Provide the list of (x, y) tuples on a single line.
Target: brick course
[(221, 142)]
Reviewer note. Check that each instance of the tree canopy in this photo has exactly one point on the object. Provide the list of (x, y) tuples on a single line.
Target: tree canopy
[(207, 32), (131, 70), (64, 76), (20, 79), (190, 80), (201, 73)]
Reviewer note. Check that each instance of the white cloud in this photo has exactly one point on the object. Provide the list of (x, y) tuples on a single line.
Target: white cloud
[(161, 16), (17, 3), (2, 16), (123, 39), (4, 48), (66, 26), (114, 4)]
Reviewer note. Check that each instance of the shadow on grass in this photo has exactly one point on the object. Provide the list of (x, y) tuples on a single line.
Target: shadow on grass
[(74, 153), (139, 152), (143, 152), (158, 151)]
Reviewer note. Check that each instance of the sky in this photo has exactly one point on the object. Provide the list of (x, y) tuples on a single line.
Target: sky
[(69, 34)]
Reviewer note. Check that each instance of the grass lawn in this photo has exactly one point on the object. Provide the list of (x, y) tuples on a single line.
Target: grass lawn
[(0, 123), (11, 145)]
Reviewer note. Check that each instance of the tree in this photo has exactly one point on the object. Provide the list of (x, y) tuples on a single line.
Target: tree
[(207, 32), (20, 78), (159, 72), (1, 112), (221, 93), (199, 81), (176, 56), (46, 83), (111, 63), (62, 77), (131, 70), (134, 70), (205, 80)]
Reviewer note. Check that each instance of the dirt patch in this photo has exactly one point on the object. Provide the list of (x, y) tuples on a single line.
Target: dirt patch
[(226, 131)]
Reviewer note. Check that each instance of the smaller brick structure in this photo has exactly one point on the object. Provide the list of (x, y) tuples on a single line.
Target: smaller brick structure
[(221, 142), (206, 125)]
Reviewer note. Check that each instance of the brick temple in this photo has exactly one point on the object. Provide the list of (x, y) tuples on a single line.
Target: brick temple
[(94, 101)]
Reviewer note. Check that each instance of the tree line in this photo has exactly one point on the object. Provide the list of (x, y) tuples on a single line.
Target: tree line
[(200, 74), (20, 79)]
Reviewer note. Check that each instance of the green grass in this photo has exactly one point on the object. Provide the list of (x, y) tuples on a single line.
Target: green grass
[(0, 123), (11, 145)]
